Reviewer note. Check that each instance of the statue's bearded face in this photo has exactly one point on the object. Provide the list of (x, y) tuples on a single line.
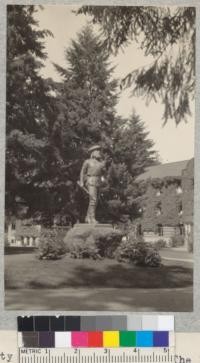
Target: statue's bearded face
[(96, 154)]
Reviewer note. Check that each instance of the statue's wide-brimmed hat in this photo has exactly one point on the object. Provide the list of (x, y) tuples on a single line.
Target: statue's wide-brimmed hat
[(95, 147)]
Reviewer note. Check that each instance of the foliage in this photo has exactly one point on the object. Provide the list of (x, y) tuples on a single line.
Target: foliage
[(168, 36), (159, 244), (88, 93), (107, 241), (139, 253), (86, 250), (132, 145), (92, 242), (132, 153), (50, 127), (29, 108), (177, 240), (51, 245), (161, 209), (87, 98), (152, 258)]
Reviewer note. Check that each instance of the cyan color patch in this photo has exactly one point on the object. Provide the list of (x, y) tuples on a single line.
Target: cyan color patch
[(144, 339)]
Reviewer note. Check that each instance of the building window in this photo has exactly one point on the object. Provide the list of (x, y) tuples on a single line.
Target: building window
[(158, 192), (182, 229), (22, 240), (179, 189), (13, 226), (180, 209), (160, 229), (158, 209), (139, 230)]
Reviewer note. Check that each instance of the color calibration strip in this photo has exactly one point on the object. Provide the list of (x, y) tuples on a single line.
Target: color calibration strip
[(96, 323), (96, 331), (103, 339)]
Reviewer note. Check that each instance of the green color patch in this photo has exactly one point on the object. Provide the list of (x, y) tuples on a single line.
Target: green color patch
[(127, 338)]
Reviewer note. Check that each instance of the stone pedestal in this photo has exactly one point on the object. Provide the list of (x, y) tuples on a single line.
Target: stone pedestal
[(81, 229)]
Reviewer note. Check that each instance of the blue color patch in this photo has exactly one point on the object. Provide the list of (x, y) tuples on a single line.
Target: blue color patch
[(161, 339), (144, 339)]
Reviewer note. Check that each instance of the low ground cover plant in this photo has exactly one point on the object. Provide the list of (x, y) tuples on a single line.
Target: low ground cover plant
[(51, 245), (97, 243), (138, 253), (177, 241)]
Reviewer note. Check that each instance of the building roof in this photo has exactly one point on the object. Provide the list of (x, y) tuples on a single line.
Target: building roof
[(164, 170)]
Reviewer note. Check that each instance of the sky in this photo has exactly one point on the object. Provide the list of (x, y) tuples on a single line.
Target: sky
[(172, 142)]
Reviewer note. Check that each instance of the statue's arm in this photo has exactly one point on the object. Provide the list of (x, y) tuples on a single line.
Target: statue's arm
[(83, 172), (106, 164)]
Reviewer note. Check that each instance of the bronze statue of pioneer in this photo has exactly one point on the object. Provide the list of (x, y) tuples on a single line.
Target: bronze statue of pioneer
[(90, 180)]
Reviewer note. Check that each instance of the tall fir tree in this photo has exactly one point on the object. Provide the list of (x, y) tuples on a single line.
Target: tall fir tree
[(28, 109), (133, 151), (88, 91), (133, 145), (87, 98)]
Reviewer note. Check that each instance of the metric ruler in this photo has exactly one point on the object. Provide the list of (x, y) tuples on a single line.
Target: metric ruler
[(97, 355)]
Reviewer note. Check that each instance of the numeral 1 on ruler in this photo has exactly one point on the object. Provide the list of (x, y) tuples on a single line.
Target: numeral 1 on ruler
[(100, 355)]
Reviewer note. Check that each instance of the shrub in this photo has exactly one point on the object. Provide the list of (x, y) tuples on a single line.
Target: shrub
[(139, 253), (177, 240), (51, 245), (152, 258), (161, 243), (107, 241), (86, 250), (92, 242)]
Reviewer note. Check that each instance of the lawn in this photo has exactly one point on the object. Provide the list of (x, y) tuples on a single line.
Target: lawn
[(26, 271), (76, 285)]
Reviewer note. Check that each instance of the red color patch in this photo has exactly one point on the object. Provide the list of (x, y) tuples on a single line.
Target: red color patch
[(95, 339)]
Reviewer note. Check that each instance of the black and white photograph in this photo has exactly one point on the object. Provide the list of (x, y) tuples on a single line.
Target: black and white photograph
[(99, 187)]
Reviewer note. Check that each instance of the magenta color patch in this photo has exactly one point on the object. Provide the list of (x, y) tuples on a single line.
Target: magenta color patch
[(79, 339)]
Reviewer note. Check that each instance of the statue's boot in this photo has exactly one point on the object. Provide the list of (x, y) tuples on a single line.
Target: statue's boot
[(88, 218), (93, 220)]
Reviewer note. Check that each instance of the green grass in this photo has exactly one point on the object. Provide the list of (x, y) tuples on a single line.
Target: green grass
[(26, 271)]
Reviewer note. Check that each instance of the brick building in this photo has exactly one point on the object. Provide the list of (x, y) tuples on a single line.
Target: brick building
[(166, 205), (22, 233)]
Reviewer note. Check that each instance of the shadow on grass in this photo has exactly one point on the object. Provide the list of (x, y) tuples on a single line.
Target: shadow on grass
[(121, 276), (100, 299), (25, 271)]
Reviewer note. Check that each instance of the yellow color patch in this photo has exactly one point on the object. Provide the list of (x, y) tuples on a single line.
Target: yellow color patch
[(111, 339)]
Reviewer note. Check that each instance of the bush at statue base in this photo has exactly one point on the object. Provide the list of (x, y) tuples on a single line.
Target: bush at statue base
[(139, 253), (51, 246), (92, 242)]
